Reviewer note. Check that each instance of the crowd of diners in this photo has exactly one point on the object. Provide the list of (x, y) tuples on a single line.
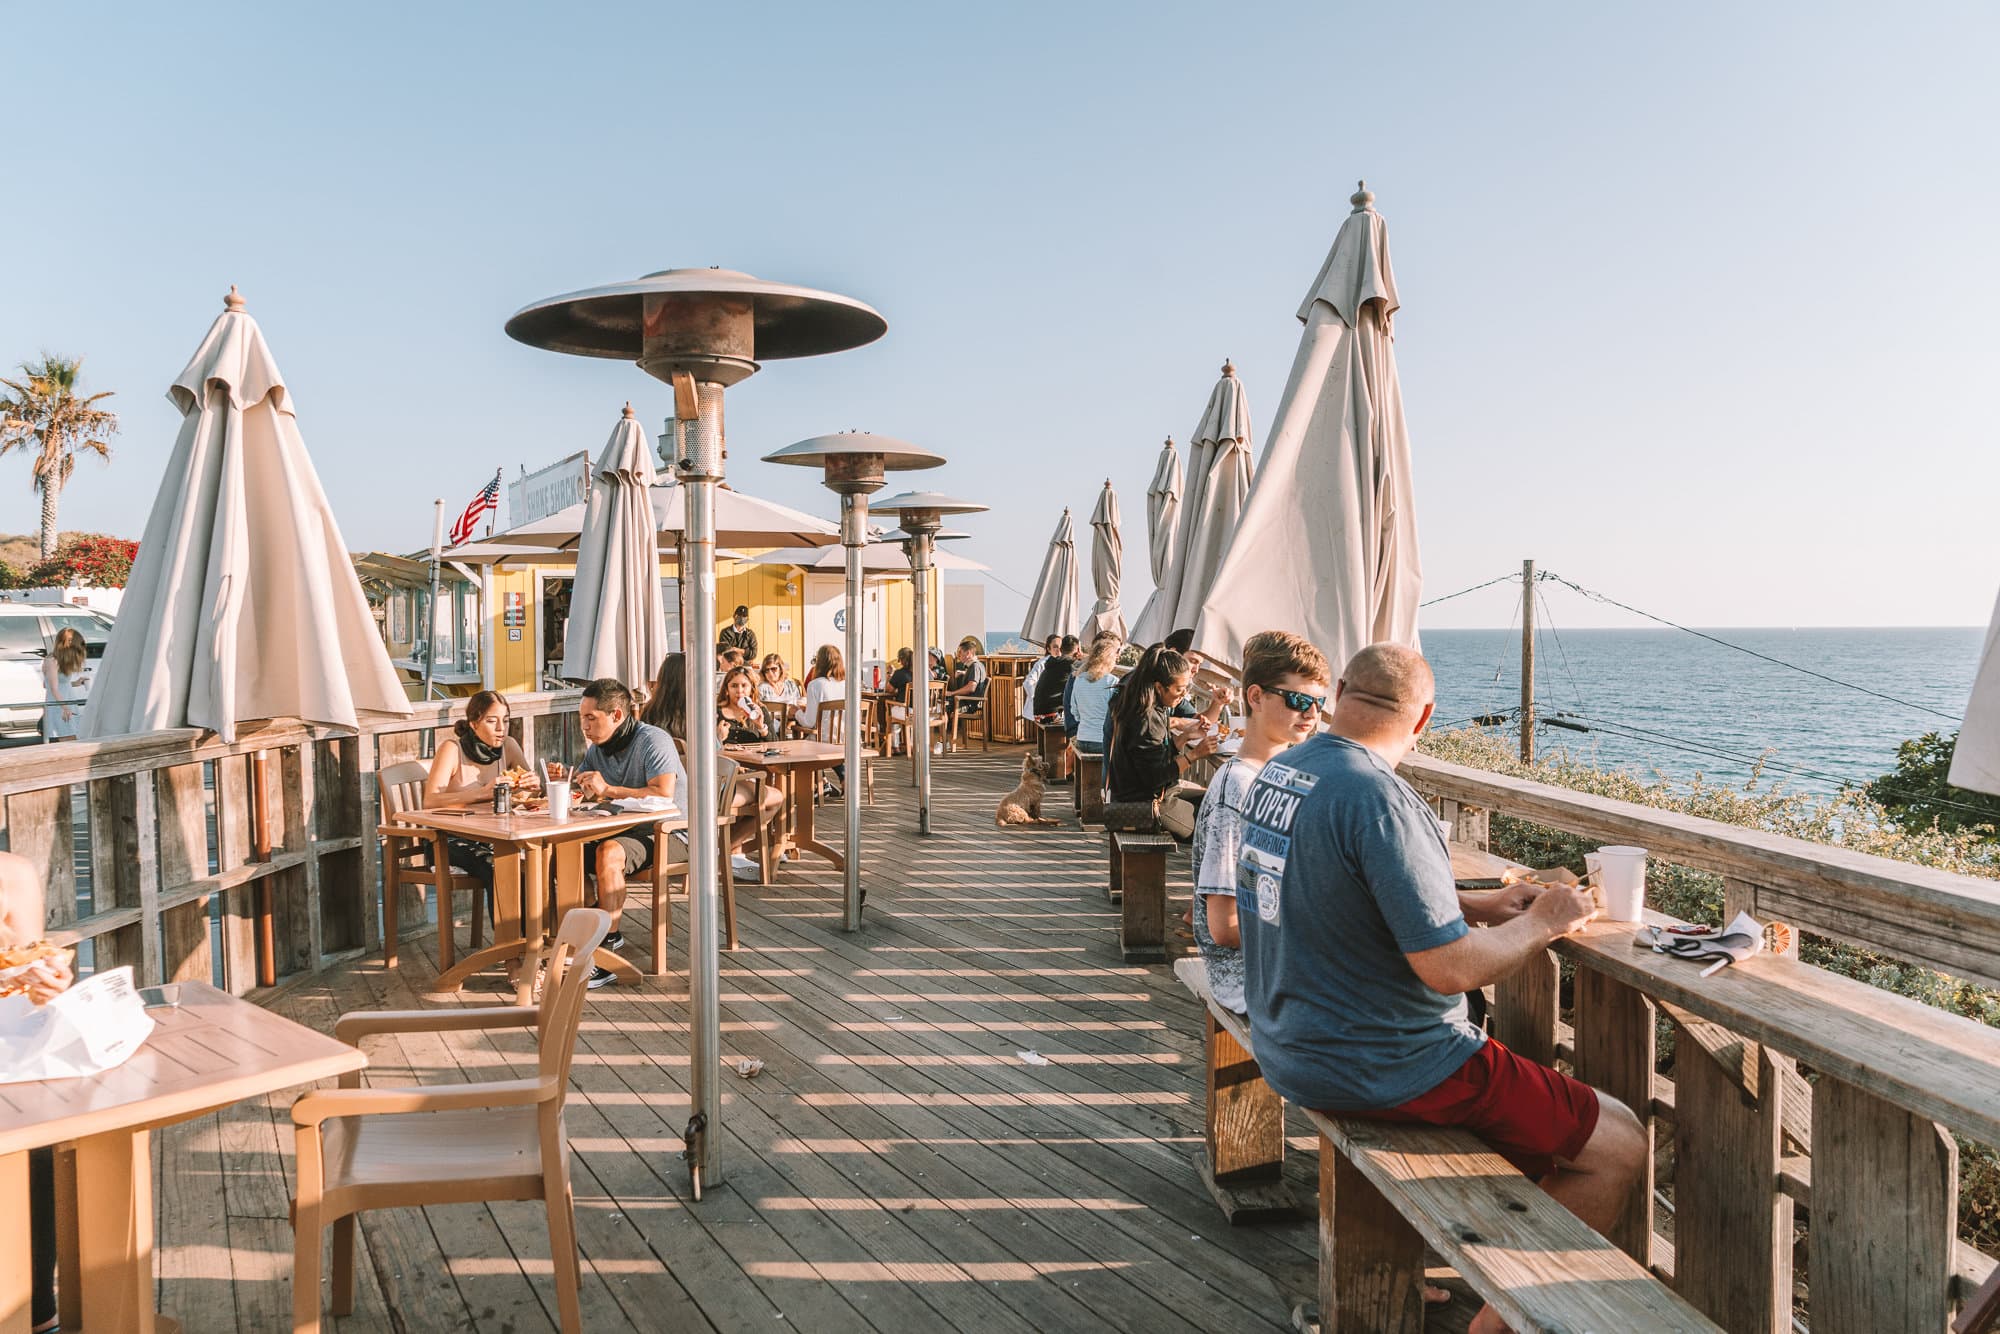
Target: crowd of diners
[(1324, 902)]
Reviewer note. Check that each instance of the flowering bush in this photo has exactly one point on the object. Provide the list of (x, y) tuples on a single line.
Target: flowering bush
[(10, 577), (92, 560)]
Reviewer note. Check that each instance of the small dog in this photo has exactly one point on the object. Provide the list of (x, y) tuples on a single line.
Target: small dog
[(1023, 806)]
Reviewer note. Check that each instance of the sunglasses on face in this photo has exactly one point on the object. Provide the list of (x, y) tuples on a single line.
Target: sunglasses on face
[(1298, 701)]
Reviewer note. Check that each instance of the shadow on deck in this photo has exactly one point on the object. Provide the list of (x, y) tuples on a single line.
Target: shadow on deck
[(897, 1165)]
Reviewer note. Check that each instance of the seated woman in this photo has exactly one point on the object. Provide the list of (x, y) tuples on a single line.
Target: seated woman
[(739, 719), (776, 686), (1046, 703), (1087, 715), (464, 772), (1147, 759), (667, 710), (827, 684)]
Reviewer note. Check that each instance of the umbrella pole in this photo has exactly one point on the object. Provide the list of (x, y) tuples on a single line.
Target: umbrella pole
[(701, 469), (853, 537), (920, 672)]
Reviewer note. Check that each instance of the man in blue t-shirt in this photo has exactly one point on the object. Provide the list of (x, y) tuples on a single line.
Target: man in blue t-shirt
[(626, 758), (1358, 953)]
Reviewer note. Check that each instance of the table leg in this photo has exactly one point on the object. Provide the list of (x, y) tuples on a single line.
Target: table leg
[(114, 1182), (510, 933), (805, 841), (534, 902), (17, 1278)]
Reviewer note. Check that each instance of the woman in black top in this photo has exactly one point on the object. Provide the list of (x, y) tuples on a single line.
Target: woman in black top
[(738, 716), (1048, 701), (1146, 759)]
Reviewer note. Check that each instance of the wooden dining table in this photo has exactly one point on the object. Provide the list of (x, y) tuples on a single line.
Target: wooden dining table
[(792, 765), (208, 1052), (532, 853)]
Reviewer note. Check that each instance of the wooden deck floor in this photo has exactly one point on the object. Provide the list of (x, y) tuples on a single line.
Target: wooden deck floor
[(897, 1165)]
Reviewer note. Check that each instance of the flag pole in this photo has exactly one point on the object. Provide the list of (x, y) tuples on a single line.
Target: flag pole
[(430, 609)]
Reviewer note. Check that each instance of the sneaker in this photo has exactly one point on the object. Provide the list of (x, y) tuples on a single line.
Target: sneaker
[(600, 977), (833, 788), (614, 942), (742, 865)]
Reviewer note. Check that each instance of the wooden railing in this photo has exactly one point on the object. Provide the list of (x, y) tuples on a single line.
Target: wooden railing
[(1792, 1088), (148, 843)]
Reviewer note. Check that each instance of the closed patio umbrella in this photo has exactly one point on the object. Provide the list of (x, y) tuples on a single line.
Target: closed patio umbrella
[(618, 618), (1219, 484), (1975, 762), (243, 603), (1107, 566), (1052, 609), (1163, 530), (1327, 545)]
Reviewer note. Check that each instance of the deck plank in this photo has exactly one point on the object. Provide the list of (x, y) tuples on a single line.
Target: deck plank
[(895, 1166)]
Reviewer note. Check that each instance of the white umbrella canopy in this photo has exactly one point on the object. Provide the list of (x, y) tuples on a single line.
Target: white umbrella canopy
[(243, 604), (1975, 762), (741, 521), (1219, 468), (1163, 530), (618, 618), (1327, 545), (882, 557), (1052, 609), (1107, 566)]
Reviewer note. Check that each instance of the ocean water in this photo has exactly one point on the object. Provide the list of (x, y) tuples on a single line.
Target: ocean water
[(1669, 703)]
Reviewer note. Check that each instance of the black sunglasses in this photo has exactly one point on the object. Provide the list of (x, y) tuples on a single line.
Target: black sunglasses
[(1298, 701)]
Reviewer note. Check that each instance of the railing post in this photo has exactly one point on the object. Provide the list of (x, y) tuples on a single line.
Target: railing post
[(1884, 1215), (1732, 1224), (1614, 1053), (1524, 1009)]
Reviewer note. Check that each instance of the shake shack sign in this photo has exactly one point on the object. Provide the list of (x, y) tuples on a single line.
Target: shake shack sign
[(537, 495)]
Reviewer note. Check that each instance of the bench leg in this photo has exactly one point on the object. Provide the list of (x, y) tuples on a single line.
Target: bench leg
[(1371, 1262), (1142, 928), (1115, 889), (1243, 1161)]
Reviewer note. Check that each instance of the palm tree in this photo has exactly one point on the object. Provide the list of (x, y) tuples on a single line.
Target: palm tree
[(45, 415)]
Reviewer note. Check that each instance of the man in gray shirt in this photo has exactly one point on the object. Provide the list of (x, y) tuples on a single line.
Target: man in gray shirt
[(626, 758), (1358, 955)]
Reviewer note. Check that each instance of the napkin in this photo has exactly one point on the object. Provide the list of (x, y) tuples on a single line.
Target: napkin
[(94, 1026)]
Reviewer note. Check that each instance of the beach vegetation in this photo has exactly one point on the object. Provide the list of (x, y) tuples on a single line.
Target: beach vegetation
[(45, 416), (1918, 796), (87, 560), (1851, 819)]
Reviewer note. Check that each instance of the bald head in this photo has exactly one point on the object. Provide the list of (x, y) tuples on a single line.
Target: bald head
[(23, 915), (1386, 690)]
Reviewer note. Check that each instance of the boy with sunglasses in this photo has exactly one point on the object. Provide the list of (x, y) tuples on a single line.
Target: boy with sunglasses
[(1285, 682)]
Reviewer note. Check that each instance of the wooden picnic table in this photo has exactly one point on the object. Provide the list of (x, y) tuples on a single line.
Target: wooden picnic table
[(210, 1051), (791, 765), (521, 882)]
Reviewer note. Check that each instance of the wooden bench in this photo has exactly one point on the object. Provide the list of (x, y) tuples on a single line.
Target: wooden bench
[(1053, 743), (1388, 1191), (1242, 1158), (1089, 788)]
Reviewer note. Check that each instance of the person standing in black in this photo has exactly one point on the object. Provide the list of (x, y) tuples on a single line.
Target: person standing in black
[(738, 634)]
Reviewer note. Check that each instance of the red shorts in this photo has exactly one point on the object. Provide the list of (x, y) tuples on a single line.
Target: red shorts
[(1529, 1114)]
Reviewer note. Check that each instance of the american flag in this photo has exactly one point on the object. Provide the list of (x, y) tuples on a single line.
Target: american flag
[(486, 502)]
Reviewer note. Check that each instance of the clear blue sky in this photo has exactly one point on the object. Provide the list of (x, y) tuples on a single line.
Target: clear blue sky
[(1698, 299)]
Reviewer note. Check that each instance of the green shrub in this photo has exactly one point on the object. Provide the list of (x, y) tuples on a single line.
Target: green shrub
[(1852, 820)]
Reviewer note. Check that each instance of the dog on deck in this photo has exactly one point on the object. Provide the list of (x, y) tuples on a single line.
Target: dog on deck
[(1023, 806)]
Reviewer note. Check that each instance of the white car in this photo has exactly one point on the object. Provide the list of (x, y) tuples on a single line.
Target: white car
[(27, 634)]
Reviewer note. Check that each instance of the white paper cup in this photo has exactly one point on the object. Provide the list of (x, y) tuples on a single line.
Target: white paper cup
[(1621, 881), (558, 801)]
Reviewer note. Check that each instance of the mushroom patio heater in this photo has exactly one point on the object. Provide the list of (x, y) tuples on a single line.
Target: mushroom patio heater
[(700, 330), (854, 464), (922, 515)]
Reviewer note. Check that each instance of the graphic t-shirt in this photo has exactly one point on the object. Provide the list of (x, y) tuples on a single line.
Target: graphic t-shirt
[(1218, 839), (1343, 873)]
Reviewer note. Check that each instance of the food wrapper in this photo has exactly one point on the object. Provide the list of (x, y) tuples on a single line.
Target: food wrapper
[(1552, 878), (94, 1026)]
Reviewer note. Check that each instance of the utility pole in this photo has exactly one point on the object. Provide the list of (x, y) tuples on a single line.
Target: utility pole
[(1527, 662)]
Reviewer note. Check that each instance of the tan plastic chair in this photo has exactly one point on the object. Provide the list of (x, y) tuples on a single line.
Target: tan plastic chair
[(391, 1148), (413, 855), (670, 863)]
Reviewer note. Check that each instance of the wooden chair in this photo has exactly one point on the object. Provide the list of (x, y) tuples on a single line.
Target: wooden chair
[(831, 728), (415, 856), (390, 1148), (963, 709), (671, 862)]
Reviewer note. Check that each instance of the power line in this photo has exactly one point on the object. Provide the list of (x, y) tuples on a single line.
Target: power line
[(1505, 578), (1779, 662)]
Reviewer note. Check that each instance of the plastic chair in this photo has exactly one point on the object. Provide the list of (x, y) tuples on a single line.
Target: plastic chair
[(391, 1148), (671, 862), (414, 855)]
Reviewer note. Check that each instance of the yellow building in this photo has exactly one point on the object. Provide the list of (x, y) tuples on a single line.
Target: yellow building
[(793, 611)]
